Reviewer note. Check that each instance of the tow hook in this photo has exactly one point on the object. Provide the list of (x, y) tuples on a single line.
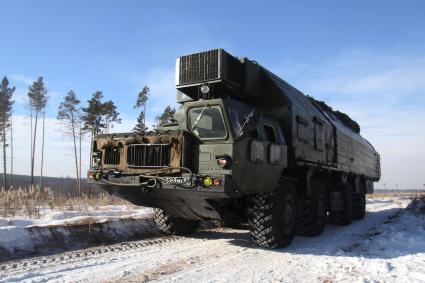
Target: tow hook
[(152, 184)]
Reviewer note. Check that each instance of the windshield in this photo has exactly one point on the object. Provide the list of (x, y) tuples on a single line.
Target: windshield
[(207, 122)]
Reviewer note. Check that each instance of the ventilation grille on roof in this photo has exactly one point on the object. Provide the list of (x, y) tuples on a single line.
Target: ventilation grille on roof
[(199, 67)]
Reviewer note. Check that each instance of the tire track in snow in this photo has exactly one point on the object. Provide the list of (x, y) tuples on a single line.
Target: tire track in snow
[(51, 261), (216, 254), (73, 256), (257, 263)]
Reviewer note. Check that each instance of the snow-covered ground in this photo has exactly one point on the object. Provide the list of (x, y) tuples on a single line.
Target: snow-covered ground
[(387, 246), (20, 235)]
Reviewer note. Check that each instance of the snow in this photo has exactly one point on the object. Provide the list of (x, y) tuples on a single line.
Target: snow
[(387, 246), (23, 235)]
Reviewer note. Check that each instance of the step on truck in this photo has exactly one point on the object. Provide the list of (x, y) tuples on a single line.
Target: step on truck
[(245, 147)]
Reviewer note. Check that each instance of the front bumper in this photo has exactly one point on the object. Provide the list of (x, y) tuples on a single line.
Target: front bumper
[(178, 200), (189, 183)]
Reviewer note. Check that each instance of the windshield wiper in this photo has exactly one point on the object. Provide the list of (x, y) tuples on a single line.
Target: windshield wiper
[(249, 124), (199, 117)]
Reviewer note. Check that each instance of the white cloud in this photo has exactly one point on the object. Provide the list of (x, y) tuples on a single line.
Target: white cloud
[(366, 74), (20, 96), (20, 78)]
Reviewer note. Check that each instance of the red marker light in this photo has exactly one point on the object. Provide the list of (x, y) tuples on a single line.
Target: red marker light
[(90, 175), (217, 182)]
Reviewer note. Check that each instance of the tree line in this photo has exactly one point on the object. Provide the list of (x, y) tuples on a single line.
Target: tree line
[(96, 117)]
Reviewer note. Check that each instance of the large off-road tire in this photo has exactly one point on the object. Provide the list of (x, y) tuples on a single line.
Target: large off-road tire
[(345, 216), (174, 225), (272, 217), (313, 213), (359, 204)]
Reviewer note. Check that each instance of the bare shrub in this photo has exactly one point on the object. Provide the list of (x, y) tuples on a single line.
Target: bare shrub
[(417, 204)]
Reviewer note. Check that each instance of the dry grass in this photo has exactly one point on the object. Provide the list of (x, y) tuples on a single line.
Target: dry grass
[(32, 201), (397, 194)]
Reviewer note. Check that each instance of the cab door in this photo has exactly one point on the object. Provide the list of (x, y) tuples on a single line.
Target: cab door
[(260, 158), (248, 167), (276, 153)]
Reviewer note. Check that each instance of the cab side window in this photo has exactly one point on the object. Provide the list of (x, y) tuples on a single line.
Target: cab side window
[(254, 134), (237, 118), (319, 135), (271, 133)]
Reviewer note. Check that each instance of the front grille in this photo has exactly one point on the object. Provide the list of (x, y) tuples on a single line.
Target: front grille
[(112, 155), (199, 67), (152, 155)]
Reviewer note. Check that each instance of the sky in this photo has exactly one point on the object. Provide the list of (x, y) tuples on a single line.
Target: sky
[(366, 58)]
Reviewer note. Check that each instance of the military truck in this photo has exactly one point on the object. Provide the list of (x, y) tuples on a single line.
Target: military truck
[(245, 147)]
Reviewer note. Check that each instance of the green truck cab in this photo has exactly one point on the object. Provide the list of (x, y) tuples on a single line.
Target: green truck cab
[(246, 147)]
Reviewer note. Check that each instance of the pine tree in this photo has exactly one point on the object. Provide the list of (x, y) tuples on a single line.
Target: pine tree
[(142, 97), (93, 112), (140, 125), (91, 117), (166, 117), (11, 151), (80, 137), (6, 103), (42, 148), (141, 101), (37, 100), (98, 116), (110, 115), (69, 114)]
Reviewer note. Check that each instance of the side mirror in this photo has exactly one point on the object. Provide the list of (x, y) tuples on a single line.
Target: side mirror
[(249, 125)]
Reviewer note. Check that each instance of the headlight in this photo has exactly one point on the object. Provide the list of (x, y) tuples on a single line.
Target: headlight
[(208, 181), (223, 161), (205, 89), (96, 158), (98, 176)]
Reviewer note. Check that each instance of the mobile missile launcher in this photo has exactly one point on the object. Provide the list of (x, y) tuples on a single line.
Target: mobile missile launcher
[(246, 147)]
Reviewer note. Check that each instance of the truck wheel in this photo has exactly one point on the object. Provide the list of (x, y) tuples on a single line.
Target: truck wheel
[(345, 216), (359, 204), (273, 216), (174, 225), (313, 211)]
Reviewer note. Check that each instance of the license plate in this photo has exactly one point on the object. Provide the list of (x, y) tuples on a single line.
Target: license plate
[(178, 180)]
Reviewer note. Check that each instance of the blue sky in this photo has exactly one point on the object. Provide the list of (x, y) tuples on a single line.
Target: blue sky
[(364, 57)]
